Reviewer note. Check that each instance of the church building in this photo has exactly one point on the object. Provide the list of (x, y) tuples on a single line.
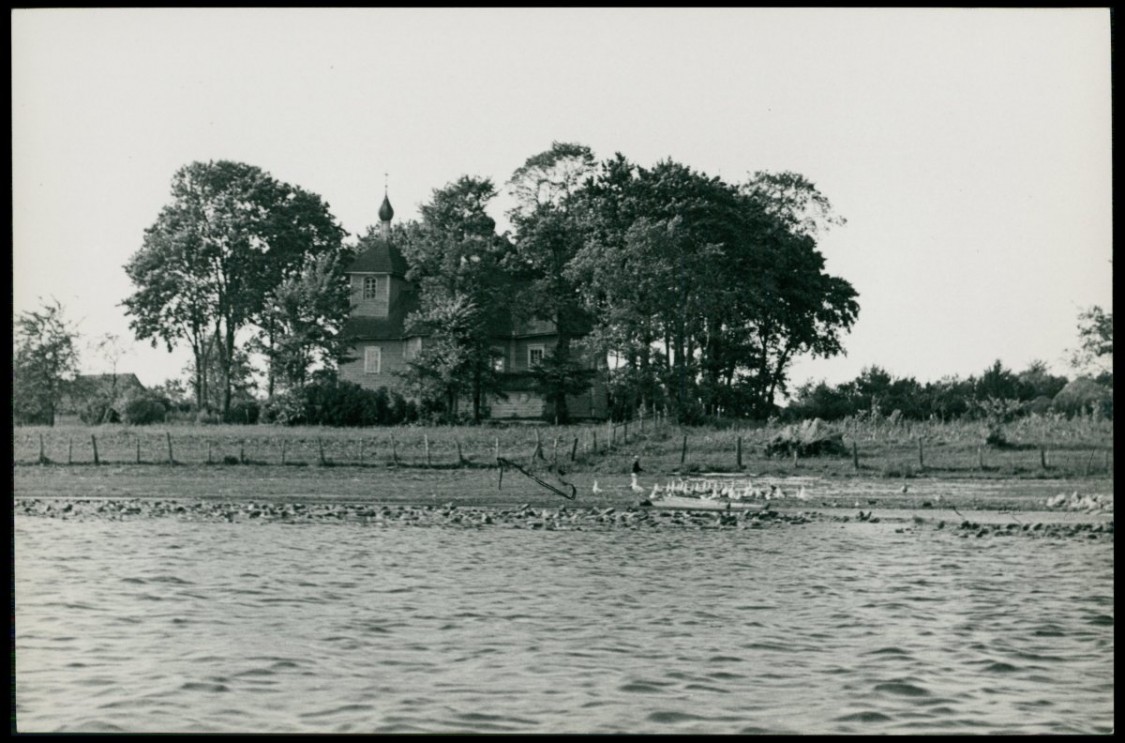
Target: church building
[(382, 299)]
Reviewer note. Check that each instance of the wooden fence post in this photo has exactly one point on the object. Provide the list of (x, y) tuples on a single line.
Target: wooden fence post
[(921, 456), (320, 447), (855, 456), (555, 453), (138, 448), (1043, 458), (94, 441), (70, 451), (738, 456), (426, 444), (171, 459), (795, 458), (394, 450), (612, 435), (683, 451), (574, 449), (595, 441)]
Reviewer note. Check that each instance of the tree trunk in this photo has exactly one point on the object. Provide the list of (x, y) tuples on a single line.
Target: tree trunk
[(477, 381), (227, 359)]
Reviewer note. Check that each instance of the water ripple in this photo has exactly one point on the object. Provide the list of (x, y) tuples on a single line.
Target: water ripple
[(339, 627)]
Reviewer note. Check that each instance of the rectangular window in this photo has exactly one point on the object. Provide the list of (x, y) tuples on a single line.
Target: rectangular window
[(372, 359), (370, 287), (534, 356), (498, 359)]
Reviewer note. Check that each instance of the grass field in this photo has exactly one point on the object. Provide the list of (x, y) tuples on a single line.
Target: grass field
[(1037, 447)]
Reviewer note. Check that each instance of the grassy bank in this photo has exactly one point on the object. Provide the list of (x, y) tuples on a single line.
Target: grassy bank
[(1036, 447)]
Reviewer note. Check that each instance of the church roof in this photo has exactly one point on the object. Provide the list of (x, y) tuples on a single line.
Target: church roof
[(380, 257)]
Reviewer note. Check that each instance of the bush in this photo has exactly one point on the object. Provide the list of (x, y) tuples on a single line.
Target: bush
[(331, 402), (1084, 395), (142, 411), (243, 411), (97, 411)]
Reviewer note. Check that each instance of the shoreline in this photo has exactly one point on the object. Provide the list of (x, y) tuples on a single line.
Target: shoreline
[(478, 498)]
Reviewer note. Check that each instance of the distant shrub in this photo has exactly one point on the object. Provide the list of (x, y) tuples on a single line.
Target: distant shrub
[(402, 410), (143, 410), (1038, 406), (243, 411), (99, 410), (207, 418), (1085, 396), (333, 402)]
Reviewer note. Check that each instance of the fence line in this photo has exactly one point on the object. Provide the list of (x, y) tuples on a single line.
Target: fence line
[(429, 449)]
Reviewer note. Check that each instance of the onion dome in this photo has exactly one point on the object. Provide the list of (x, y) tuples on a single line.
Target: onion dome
[(386, 212)]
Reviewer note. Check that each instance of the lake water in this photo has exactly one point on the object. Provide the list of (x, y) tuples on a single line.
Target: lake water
[(166, 625)]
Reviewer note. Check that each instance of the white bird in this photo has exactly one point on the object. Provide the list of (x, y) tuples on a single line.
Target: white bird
[(596, 489), (801, 494), (633, 484)]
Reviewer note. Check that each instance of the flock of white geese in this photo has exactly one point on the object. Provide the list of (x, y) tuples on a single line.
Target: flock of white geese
[(1075, 502), (712, 489), (745, 489)]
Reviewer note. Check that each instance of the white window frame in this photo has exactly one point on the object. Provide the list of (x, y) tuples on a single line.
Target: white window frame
[(372, 359), (374, 283), (531, 350)]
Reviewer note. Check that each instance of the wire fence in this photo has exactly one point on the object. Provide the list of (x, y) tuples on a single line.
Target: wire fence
[(1043, 447)]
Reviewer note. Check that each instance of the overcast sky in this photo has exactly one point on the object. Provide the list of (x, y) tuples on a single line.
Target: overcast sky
[(968, 149)]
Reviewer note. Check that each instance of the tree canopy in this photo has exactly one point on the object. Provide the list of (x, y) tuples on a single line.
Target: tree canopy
[(45, 362), (456, 259), (212, 259)]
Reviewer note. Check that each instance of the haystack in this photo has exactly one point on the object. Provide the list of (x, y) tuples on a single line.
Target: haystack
[(809, 439)]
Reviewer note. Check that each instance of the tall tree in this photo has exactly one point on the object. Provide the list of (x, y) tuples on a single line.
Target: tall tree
[(45, 361), (548, 235), (302, 321), (724, 283), (230, 236), (456, 259), (1095, 352)]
